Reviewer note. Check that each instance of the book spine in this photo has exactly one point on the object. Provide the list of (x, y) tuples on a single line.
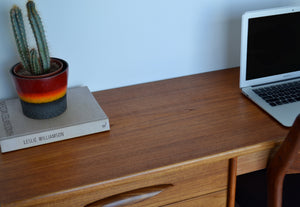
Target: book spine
[(21, 142)]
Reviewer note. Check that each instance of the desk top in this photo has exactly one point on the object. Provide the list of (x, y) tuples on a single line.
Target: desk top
[(152, 125)]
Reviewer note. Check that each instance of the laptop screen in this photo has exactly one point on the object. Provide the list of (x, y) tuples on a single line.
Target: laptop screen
[(273, 45), (270, 46)]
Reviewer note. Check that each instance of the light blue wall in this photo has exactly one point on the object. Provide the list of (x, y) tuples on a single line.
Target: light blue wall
[(114, 43)]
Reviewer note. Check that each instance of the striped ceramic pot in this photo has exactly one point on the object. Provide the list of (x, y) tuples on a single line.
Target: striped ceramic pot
[(44, 96)]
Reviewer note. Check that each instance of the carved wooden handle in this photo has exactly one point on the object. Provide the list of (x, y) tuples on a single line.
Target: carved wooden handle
[(130, 197)]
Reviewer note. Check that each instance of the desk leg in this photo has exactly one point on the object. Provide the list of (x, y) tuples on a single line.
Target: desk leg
[(232, 182)]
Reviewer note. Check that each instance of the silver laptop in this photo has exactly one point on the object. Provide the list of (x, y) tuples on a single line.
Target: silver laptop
[(270, 61)]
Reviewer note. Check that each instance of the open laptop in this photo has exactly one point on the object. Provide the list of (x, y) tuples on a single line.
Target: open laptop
[(270, 61)]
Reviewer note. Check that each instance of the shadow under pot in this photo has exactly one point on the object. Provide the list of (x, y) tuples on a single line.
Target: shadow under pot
[(42, 96)]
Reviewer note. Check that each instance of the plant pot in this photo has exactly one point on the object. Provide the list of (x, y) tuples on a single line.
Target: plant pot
[(44, 96)]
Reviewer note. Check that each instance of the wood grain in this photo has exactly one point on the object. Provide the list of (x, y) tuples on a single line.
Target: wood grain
[(217, 199), (187, 179), (201, 117)]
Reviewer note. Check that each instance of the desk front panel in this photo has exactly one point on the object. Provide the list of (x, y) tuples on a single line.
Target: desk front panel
[(176, 183)]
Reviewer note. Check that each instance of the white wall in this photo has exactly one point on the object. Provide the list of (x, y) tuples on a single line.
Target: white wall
[(114, 43)]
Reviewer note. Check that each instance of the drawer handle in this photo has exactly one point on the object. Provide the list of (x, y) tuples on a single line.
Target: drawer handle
[(130, 197)]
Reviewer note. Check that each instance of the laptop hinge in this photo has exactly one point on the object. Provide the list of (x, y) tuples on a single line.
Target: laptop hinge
[(258, 85)]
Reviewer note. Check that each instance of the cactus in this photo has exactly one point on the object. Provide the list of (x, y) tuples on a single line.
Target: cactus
[(20, 35), (36, 64), (39, 34)]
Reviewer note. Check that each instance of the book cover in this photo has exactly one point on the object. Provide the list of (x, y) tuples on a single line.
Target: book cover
[(83, 116)]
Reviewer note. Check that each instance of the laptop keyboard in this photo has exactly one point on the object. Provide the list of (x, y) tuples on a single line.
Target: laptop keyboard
[(280, 94)]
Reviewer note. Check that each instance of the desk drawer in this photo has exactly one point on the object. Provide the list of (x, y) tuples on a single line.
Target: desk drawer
[(217, 199), (154, 188), (178, 184)]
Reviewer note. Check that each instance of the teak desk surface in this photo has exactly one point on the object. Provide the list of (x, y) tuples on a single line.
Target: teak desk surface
[(155, 127)]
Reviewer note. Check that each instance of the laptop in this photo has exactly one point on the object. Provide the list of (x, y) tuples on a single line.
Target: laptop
[(270, 61)]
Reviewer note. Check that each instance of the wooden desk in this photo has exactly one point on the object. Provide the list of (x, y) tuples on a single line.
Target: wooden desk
[(176, 136)]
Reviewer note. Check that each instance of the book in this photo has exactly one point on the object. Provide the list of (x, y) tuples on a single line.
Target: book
[(83, 116)]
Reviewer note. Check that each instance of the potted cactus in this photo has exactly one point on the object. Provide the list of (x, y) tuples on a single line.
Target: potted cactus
[(40, 81)]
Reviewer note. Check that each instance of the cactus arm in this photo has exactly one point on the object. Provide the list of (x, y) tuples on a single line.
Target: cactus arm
[(39, 35), (20, 35), (36, 68)]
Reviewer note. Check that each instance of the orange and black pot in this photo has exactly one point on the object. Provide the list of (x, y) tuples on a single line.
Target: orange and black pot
[(44, 96)]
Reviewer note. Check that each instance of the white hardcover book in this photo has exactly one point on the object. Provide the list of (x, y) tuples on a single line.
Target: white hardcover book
[(83, 116)]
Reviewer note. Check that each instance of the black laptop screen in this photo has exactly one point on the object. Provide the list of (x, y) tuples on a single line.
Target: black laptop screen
[(273, 45)]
